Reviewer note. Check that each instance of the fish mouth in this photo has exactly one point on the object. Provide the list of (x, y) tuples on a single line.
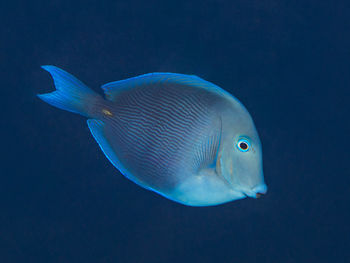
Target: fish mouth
[(256, 192)]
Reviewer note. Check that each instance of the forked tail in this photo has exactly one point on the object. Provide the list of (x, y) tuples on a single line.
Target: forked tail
[(70, 94)]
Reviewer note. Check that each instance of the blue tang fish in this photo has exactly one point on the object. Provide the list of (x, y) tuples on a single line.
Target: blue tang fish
[(178, 135)]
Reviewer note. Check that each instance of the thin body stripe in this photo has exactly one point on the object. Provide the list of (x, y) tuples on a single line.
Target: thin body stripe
[(160, 132)]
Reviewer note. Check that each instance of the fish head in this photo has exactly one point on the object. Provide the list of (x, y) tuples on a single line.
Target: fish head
[(239, 159)]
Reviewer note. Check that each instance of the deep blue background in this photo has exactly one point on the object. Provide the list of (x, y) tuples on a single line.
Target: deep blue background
[(287, 61)]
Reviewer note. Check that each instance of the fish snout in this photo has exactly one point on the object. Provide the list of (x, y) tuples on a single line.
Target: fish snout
[(257, 191)]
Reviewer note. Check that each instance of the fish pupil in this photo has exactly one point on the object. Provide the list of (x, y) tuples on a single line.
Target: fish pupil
[(243, 146)]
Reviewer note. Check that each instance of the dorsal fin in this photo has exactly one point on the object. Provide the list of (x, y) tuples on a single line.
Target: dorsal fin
[(113, 88)]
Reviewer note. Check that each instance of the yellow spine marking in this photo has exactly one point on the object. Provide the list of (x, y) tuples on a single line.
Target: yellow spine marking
[(107, 112)]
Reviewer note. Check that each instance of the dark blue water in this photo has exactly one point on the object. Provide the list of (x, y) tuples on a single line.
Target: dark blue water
[(287, 61)]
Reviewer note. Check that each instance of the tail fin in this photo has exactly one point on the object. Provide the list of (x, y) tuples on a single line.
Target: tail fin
[(70, 94)]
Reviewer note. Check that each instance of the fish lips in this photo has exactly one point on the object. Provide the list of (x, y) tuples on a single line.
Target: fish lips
[(256, 192)]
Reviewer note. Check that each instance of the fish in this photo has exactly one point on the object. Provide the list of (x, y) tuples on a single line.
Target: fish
[(178, 135)]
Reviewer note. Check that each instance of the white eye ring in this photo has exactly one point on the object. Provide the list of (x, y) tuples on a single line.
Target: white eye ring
[(243, 145)]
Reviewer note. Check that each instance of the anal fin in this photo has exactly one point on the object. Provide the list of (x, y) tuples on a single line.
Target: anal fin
[(97, 128)]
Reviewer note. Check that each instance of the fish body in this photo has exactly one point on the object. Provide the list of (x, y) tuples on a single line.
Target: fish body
[(175, 134)]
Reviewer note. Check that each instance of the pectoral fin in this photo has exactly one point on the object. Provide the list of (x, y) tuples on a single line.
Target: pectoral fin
[(207, 151)]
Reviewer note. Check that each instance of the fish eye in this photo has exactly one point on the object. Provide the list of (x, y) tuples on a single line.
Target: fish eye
[(243, 145)]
